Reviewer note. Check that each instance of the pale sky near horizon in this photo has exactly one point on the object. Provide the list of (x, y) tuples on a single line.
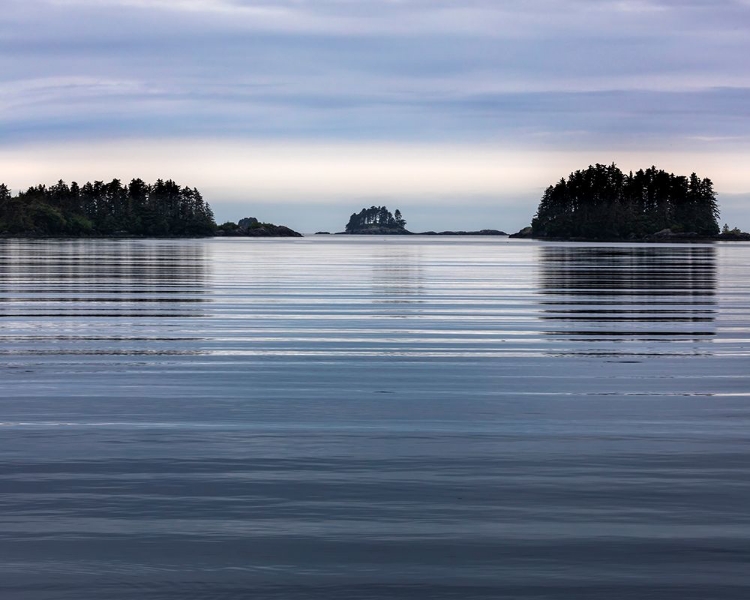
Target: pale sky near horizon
[(301, 112)]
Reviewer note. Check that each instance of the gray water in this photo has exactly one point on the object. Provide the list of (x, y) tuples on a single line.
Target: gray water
[(374, 418)]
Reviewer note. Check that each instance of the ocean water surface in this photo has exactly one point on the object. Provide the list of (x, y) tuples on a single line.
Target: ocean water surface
[(366, 417)]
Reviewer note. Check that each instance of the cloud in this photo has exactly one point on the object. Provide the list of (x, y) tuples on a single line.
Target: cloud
[(28, 95)]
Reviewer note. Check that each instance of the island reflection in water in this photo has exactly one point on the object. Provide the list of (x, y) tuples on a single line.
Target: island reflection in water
[(101, 297), (397, 276), (621, 294)]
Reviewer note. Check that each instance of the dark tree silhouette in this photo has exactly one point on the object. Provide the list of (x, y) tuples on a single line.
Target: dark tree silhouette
[(400, 221), (602, 202), (98, 208), (375, 217)]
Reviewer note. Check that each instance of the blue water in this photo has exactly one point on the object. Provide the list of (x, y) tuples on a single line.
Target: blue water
[(344, 417)]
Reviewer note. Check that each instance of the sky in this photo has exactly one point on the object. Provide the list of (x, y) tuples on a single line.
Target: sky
[(300, 112)]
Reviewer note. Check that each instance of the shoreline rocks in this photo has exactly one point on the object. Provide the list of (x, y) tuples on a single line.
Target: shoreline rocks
[(251, 227), (663, 236), (480, 232), (376, 230)]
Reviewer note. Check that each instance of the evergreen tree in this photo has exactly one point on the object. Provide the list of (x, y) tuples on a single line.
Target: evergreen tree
[(400, 221)]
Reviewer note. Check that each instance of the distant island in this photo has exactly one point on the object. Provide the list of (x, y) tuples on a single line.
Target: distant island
[(251, 227), (603, 203), (138, 209), (378, 220)]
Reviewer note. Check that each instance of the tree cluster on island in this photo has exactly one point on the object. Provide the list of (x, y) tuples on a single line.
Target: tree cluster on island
[(733, 235), (376, 219), (603, 203), (160, 209)]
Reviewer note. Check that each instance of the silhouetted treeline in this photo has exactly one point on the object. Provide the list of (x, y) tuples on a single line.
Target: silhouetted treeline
[(160, 209), (378, 216), (604, 203)]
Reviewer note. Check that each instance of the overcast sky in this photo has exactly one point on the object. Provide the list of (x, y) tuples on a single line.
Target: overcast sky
[(459, 112)]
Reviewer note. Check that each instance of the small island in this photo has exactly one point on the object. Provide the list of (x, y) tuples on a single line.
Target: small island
[(251, 227), (602, 203), (376, 220)]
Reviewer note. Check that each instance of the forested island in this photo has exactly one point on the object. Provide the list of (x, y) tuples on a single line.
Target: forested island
[(98, 209), (163, 208), (376, 220), (603, 203)]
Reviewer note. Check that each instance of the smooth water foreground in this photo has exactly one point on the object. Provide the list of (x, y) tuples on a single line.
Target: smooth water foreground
[(374, 418)]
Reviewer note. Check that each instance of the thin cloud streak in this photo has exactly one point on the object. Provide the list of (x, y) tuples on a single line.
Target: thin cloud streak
[(512, 18)]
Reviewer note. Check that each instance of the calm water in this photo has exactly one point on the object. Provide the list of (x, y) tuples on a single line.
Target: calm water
[(374, 418)]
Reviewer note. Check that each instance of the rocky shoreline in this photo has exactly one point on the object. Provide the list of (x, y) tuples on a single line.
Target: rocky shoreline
[(376, 230), (251, 227), (379, 230), (480, 232), (664, 236)]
